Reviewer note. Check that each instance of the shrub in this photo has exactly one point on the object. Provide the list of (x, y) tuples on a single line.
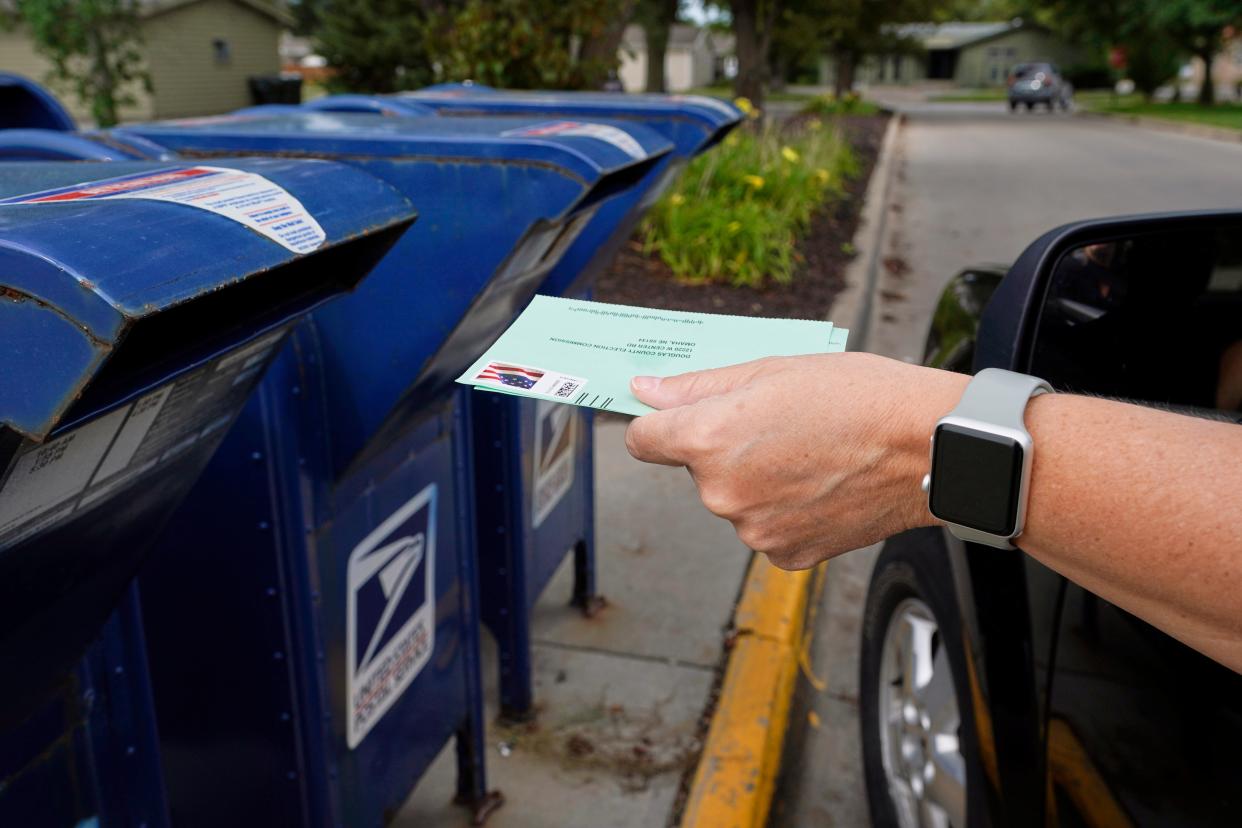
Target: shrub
[(828, 105), (736, 213)]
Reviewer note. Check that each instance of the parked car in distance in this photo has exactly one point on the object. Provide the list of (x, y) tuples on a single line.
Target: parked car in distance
[(1032, 83), (995, 692)]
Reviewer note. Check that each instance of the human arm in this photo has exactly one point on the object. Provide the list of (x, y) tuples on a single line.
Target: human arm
[(813, 456)]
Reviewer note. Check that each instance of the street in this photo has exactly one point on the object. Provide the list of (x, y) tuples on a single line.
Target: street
[(970, 184)]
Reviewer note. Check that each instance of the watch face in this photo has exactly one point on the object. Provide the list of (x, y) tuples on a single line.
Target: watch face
[(975, 479)]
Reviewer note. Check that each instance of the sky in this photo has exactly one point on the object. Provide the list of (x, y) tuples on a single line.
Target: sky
[(694, 11)]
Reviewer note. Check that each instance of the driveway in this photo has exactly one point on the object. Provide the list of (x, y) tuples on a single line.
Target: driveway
[(971, 184)]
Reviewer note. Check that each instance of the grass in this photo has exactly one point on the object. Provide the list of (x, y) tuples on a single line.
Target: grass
[(1225, 114), (829, 105), (971, 95), (736, 214)]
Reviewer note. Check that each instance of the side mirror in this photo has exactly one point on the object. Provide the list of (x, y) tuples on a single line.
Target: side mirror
[(1145, 308)]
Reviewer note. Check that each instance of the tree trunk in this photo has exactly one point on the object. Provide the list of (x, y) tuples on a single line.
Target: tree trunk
[(104, 92), (751, 60), (657, 30), (843, 77), (601, 50), (1207, 91)]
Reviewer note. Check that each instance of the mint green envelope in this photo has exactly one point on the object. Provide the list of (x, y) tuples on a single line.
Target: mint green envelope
[(585, 353)]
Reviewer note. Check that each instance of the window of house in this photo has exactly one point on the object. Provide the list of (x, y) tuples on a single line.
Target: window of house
[(221, 50)]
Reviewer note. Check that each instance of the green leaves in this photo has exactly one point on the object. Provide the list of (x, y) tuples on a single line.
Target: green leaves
[(737, 212), (94, 47)]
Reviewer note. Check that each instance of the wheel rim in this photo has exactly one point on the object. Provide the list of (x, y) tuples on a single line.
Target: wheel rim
[(919, 722)]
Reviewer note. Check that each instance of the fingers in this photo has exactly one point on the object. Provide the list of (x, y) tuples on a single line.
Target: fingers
[(660, 437), (685, 389)]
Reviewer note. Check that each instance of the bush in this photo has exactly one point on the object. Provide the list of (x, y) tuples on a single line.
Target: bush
[(828, 105), (736, 213)]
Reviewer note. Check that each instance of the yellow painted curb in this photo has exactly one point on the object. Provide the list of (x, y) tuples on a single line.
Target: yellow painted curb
[(734, 781)]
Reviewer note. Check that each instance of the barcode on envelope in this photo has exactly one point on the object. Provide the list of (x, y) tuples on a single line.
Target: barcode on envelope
[(566, 388)]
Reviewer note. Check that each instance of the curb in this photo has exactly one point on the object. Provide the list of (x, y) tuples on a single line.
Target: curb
[(736, 775), (1231, 136), (854, 303)]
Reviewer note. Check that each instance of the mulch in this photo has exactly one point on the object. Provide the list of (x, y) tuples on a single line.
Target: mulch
[(638, 279)]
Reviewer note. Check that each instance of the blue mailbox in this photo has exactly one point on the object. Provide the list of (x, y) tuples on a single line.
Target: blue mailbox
[(536, 496), (351, 632), (548, 473), (26, 104), (131, 343)]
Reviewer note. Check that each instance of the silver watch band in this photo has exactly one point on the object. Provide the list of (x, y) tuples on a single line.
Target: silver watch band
[(999, 397), (996, 397)]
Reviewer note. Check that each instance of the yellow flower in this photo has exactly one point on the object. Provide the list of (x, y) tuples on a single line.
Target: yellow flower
[(677, 199), (744, 104), (755, 181), (731, 141), (733, 226), (822, 176), (814, 124), (790, 154)]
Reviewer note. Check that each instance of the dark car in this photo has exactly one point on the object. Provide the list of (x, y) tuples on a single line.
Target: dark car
[(994, 691), (1039, 83)]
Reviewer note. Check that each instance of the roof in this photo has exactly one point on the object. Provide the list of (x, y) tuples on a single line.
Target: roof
[(275, 9), (680, 36), (954, 35)]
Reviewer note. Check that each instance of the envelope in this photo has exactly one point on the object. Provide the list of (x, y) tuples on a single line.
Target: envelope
[(585, 353)]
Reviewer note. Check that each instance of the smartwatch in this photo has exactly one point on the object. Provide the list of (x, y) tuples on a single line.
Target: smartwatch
[(981, 459)]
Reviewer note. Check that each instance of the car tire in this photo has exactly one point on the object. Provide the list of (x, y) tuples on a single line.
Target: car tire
[(917, 720), (1030, 105), (1013, 106)]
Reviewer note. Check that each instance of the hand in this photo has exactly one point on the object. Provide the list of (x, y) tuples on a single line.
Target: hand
[(807, 457)]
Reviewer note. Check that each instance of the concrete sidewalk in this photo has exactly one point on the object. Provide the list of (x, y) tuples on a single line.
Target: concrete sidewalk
[(620, 694)]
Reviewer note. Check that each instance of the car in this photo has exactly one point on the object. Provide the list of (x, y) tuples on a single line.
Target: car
[(993, 690), (1042, 83)]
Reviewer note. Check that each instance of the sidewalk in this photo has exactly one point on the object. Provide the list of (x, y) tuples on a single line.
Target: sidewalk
[(620, 694)]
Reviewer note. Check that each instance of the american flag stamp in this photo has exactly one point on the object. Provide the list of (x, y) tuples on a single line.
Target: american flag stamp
[(523, 378)]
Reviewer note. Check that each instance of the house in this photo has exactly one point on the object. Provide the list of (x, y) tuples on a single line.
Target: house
[(690, 60), (198, 53), (969, 54)]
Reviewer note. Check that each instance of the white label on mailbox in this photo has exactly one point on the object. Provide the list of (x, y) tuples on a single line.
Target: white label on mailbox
[(618, 138), (709, 102), (390, 612), (47, 483), (240, 196), (556, 432)]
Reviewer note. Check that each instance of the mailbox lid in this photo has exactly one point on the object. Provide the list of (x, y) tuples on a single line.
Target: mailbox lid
[(24, 103), (586, 150), (693, 122), (86, 265)]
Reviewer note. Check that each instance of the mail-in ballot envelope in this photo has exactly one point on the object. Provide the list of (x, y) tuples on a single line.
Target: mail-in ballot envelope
[(585, 353)]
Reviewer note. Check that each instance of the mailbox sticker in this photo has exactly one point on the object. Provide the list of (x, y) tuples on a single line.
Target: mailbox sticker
[(618, 138), (47, 483), (390, 611), (240, 196), (556, 433)]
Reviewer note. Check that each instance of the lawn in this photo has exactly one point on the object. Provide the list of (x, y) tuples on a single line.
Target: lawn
[(1226, 114), (964, 95)]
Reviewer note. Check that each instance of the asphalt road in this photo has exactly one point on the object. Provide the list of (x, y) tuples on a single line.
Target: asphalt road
[(971, 184)]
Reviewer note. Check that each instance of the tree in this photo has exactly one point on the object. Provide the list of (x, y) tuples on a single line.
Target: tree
[(1155, 34), (1197, 27), (754, 24), (94, 48), (375, 45), (656, 18), (531, 43)]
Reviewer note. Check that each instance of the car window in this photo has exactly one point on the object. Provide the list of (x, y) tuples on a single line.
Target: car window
[(1153, 319)]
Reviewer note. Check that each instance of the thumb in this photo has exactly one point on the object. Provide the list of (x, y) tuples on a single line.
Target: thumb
[(689, 388)]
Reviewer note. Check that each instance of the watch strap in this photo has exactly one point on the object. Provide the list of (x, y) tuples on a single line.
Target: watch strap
[(1000, 397)]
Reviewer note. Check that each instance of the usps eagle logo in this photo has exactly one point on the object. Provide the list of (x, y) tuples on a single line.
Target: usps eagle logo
[(390, 610), (511, 376)]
